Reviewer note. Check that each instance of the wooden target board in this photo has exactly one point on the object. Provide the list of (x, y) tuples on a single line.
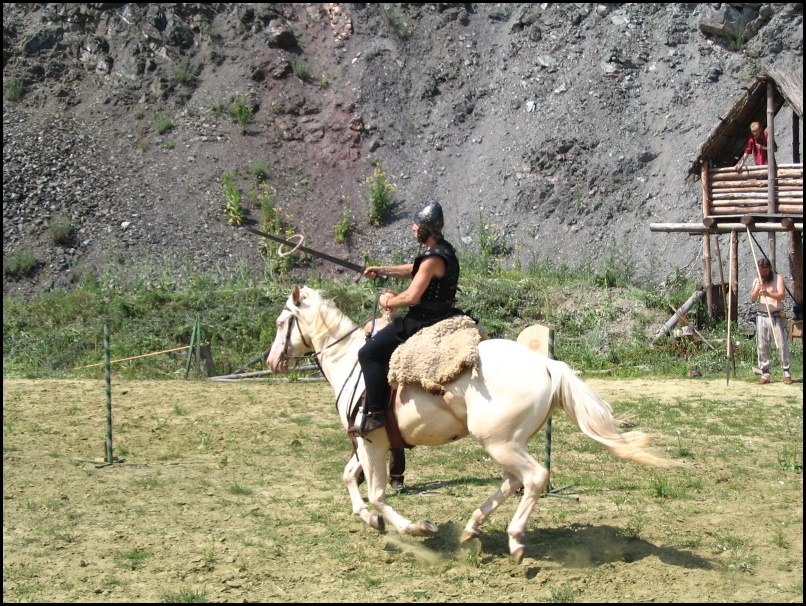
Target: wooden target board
[(536, 338)]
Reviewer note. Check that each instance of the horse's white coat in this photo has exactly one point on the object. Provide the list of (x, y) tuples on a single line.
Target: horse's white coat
[(502, 405)]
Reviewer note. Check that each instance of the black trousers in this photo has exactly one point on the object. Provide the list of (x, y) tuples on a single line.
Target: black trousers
[(374, 358)]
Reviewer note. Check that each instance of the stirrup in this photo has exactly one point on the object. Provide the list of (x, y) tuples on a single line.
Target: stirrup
[(370, 422)]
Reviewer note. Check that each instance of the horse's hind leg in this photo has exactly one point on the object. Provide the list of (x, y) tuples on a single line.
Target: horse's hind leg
[(516, 461), (507, 489), (352, 471)]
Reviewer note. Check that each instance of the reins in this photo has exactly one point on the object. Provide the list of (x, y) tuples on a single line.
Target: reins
[(315, 354), (324, 349)]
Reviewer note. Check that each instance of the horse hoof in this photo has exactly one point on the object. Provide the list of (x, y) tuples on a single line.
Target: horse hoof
[(377, 522), (423, 528), (517, 554), (468, 536)]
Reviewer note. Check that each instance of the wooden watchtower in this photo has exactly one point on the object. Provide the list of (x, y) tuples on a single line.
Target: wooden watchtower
[(760, 198)]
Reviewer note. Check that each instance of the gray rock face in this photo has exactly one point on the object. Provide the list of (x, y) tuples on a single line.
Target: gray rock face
[(566, 129)]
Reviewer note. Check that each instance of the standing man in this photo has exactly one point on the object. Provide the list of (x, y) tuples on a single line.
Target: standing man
[(770, 293), (756, 145)]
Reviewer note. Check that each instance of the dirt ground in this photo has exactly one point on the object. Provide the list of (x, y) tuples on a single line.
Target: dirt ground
[(232, 492)]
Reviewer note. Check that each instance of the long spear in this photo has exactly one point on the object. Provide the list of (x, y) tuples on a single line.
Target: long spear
[(295, 246)]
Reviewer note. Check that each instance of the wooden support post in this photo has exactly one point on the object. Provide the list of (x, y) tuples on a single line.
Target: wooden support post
[(208, 368), (108, 376), (722, 285), (198, 345), (734, 273), (706, 267), (771, 168), (193, 340), (540, 338), (796, 270)]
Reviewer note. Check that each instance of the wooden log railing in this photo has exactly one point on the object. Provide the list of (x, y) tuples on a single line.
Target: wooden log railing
[(733, 193)]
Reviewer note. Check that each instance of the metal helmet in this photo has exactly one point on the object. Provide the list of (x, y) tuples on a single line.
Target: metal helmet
[(429, 220)]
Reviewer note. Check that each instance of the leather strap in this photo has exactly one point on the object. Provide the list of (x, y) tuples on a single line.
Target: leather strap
[(392, 428)]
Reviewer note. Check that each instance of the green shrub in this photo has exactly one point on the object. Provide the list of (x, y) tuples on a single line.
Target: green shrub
[(13, 89), (397, 26), (233, 206), (614, 269), (301, 70), (241, 110), (185, 72), (258, 170), (379, 194), (343, 227), (60, 229), (20, 263), (163, 122), (273, 221)]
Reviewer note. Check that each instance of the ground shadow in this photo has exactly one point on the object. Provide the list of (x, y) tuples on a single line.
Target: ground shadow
[(574, 546), (582, 545), (435, 485)]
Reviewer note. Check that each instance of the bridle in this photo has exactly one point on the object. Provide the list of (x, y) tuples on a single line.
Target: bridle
[(316, 354), (305, 342)]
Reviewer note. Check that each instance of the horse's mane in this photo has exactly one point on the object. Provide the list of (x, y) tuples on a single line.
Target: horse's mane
[(321, 316)]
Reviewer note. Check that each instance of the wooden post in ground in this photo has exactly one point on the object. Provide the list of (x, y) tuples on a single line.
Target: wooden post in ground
[(771, 167), (706, 273), (734, 272), (796, 267), (208, 368)]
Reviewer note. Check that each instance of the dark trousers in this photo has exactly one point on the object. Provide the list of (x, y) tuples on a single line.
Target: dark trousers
[(397, 464), (374, 358)]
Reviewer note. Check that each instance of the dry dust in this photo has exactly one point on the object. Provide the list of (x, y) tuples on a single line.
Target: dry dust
[(232, 492)]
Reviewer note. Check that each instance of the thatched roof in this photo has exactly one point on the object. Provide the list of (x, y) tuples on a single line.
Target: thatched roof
[(725, 145)]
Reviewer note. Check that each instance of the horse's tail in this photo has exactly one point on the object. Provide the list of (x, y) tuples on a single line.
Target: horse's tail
[(594, 417)]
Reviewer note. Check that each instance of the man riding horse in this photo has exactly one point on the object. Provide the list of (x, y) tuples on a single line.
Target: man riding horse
[(434, 276)]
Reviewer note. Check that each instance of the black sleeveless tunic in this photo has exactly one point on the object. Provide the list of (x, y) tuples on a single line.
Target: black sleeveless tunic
[(437, 302)]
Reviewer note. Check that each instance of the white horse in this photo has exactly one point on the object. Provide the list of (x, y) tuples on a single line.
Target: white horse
[(502, 404)]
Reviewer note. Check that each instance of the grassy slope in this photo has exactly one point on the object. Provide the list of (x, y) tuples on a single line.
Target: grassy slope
[(603, 320)]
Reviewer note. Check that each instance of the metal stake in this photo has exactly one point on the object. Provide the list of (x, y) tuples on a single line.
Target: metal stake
[(110, 459), (551, 490)]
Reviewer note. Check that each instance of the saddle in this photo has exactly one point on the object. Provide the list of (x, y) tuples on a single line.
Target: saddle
[(437, 354)]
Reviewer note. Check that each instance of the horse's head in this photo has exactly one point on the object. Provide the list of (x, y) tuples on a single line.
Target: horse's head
[(289, 342)]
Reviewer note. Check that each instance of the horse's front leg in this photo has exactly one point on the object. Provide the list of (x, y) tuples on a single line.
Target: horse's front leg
[(352, 472), (373, 453)]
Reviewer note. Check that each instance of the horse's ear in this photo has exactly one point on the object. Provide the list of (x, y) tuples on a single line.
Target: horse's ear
[(295, 294)]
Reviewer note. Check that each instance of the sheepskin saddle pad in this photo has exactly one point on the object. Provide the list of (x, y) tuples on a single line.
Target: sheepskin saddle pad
[(437, 354)]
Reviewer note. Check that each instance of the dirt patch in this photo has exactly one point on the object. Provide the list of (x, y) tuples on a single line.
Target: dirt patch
[(233, 492)]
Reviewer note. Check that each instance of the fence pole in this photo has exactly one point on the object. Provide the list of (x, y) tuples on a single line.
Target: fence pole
[(108, 377), (109, 458), (190, 351)]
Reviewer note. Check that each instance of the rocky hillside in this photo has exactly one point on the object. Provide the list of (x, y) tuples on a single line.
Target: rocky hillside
[(559, 130)]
